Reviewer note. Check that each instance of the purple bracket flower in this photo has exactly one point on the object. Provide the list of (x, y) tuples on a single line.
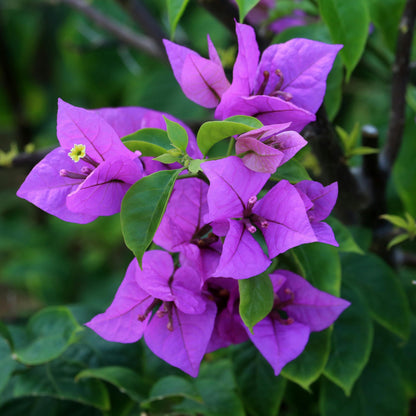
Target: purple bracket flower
[(181, 328), (88, 175), (319, 201), (236, 214), (288, 84), (298, 309), (269, 147), (202, 80), (184, 230)]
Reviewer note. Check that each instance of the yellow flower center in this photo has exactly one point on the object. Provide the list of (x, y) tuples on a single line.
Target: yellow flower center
[(77, 152)]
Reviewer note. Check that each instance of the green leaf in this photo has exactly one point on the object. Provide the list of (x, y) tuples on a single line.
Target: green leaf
[(307, 368), (244, 6), (126, 380), (213, 132), (48, 334), (397, 240), (386, 15), (344, 237), (146, 149), (173, 385), (395, 220), (348, 23), (380, 391), (247, 120), (158, 137), (36, 406), (411, 97), (333, 94), (218, 393), (261, 391), (352, 339), (256, 298), (57, 380), (362, 150), (7, 363), (404, 169), (195, 165), (176, 9), (292, 170), (4, 332), (381, 289), (409, 361), (167, 158), (143, 207), (320, 264), (177, 134)]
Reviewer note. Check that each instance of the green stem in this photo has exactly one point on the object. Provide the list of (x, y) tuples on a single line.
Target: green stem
[(199, 175), (230, 146)]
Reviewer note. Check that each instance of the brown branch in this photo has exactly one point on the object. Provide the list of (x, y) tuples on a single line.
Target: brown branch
[(401, 72), (145, 20), (325, 145), (374, 180), (127, 36)]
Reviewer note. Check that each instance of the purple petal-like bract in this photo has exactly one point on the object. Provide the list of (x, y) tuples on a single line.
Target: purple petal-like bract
[(319, 201), (120, 322), (288, 224), (279, 343), (242, 257), (310, 306), (231, 186), (304, 64), (46, 189), (307, 308), (202, 80), (269, 147), (185, 346), (182, 224)]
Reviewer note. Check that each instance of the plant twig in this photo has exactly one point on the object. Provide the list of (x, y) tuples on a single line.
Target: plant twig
[(374, 180), (145, 20), (401, 72), (127, 36), (325, 145)]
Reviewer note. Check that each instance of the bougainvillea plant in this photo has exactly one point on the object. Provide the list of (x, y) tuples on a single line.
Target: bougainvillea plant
[(217, 214), (240, 244)]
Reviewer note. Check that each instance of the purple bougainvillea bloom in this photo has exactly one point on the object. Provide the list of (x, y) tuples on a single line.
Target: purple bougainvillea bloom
[(235, 213), (202, 80), (267, 148), (319, 201), (287, 85), (88, 175), (183, 229), (181, 328), (298, 309)]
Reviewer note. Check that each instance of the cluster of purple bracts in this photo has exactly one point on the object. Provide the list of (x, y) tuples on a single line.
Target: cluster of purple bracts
[(228, 230)]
